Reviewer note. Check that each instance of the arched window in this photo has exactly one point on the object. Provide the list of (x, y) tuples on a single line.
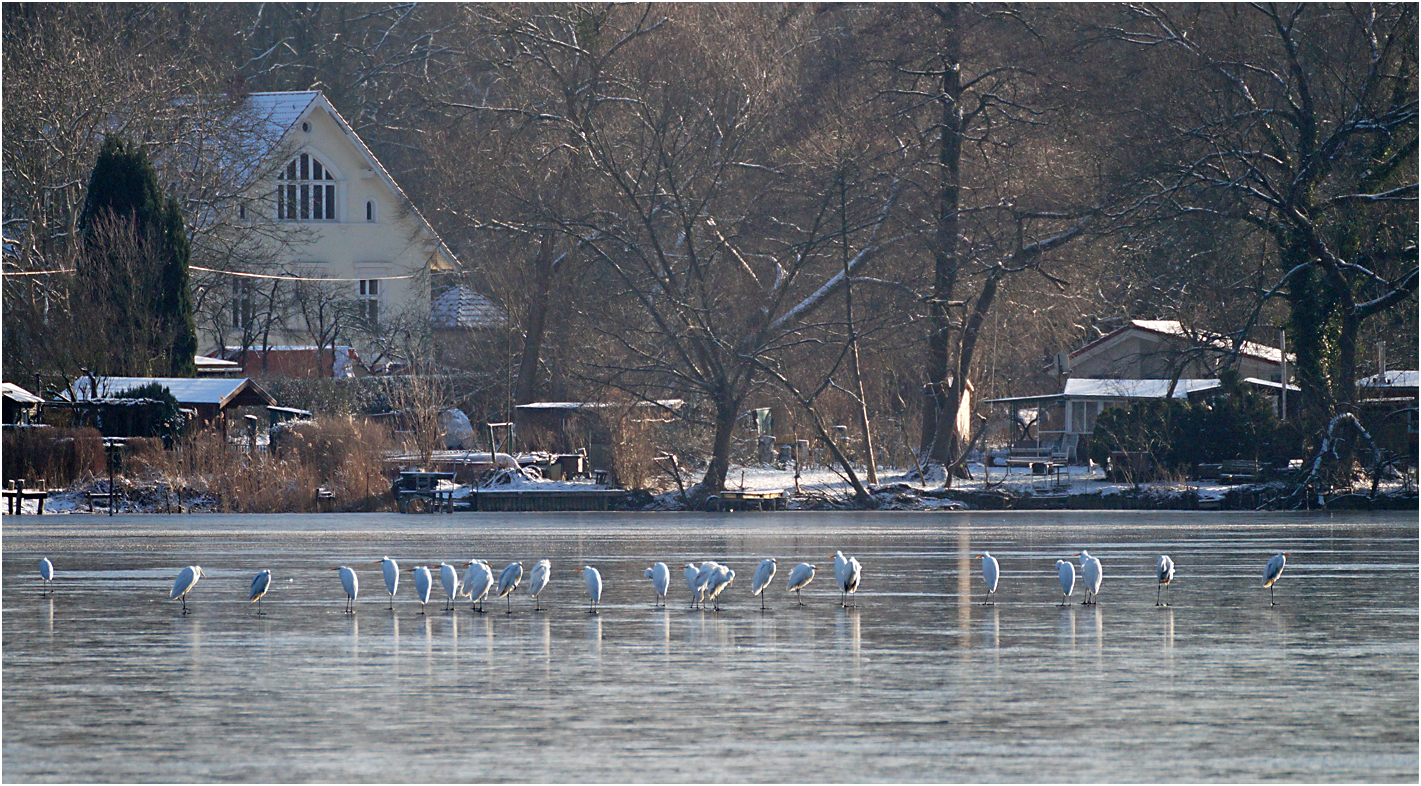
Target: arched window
[(307, 191), (370, 214)]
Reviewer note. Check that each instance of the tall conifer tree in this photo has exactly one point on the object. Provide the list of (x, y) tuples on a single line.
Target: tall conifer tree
[(135, 263)]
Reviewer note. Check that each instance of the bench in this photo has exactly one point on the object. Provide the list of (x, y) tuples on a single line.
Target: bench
[(1239, 471)]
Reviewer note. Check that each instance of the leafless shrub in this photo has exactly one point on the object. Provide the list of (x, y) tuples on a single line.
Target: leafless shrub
[(58, 456)]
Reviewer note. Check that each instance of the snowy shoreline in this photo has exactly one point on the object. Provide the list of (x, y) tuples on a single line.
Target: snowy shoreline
[(1078, 488)]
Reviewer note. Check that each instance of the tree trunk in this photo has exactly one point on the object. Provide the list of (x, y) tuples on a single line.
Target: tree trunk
[(956, 451), (727, 410), (527, 387), (946, 261)]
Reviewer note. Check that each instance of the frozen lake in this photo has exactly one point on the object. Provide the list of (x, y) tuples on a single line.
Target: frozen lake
[(106, 680)]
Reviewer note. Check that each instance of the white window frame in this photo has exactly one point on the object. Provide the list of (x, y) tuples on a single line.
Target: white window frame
[(306, 183)]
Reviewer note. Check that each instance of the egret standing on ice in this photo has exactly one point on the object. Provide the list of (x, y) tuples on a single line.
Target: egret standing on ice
[(846, 573), (763, 575), (1067, 573), (260, 583), (423, 583), (1091, 574), (1273, 572), (392, 577), (594, 586), (660, 576), (801, 575), (990, 573), (187, 579), (538, 579), (508, 582), (1165, 572), (478, 579), (450, 579), (703, 578), (46, 574), (692, 571), (351, 583), (719, 581)]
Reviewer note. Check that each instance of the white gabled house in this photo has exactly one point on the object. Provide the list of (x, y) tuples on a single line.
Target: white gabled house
[(336, 216)]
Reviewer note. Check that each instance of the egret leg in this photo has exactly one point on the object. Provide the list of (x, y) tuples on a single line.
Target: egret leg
[(509, 599), (762, 601)]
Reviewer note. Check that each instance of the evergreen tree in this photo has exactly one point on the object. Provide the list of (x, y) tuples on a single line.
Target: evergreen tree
[(135, 266)]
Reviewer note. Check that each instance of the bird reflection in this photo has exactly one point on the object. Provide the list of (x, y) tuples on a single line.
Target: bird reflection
[(1067, 630), (1098, 617), (993, 627), (49, 616), (354, 637), (846, 636), (1167, 626), (594, 636)]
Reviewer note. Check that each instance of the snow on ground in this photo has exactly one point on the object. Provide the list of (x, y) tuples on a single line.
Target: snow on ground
[(1015, 480)]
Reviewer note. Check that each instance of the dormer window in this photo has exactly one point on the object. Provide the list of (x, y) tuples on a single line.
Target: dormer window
[(307, 191)]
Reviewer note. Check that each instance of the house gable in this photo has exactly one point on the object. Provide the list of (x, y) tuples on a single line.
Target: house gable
[(1160, 349)]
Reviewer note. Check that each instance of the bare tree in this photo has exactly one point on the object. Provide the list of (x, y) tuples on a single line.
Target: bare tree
[(1297, 124)]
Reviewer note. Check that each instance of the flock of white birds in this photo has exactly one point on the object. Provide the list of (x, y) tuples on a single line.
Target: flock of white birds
[(706, 581)]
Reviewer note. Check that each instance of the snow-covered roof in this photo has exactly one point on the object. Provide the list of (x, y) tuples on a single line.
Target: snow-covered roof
[(1262, 383), (1392, 379), (202, 390), (1133, 388), (1174, 328), (669, 403), (462, 307), (18, 394)]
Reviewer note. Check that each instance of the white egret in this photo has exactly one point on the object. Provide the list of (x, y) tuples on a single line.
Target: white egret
[(594, 586), (660, 576), (538, 579), (722, 578), (187, 579), (1091, 574), (763, 575), (799, 577), (1272, 573), (703, 577), (990, 573), (846, 573), (260, 583), (392, 577), (1067, 573), (423, 583), (1164, 570), (351, 583), (478, 579), (692, 571), (46, 574), (508, 582), (449, 577)]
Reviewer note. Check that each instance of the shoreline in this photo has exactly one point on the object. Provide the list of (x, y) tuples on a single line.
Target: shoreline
[(821, 491)]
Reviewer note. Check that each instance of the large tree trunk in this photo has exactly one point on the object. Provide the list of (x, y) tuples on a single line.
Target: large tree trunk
[(946, 261), (956, 450), (727, 410), (527, 387)]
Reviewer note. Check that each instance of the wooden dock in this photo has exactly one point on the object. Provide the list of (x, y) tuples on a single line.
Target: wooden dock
[(760, 499), (489, 500), (17, 493)]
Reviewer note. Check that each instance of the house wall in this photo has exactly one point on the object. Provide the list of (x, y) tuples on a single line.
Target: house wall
[(395, 247)]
